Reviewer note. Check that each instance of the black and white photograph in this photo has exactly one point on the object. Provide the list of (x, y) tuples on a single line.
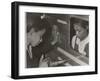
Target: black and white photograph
[(51, 40), (54, 40)]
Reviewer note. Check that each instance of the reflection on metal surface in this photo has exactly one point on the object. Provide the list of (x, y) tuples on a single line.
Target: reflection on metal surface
[(77, 60)]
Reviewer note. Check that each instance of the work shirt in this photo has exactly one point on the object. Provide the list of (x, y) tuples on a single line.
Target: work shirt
[(82, 46)]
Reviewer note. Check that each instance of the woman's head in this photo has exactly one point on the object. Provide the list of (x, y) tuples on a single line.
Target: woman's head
[(37, 30), (81, 29)]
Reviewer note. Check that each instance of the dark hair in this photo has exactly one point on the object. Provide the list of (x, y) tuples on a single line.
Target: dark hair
[(84, 24), (38, 24)]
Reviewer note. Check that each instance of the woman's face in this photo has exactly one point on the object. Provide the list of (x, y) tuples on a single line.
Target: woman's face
[(35, 37), (55, 28), (80, 31)]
